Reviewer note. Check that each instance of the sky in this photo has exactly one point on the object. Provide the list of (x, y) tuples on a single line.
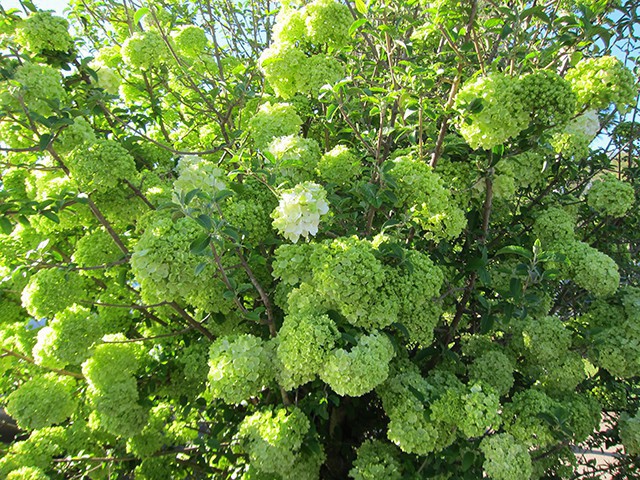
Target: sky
[(57, 5)]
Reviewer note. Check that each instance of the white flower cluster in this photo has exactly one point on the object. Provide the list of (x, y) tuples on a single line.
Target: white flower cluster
[(299, 211)]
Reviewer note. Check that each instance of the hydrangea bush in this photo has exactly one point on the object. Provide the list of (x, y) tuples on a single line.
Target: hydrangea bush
[(318, 240)]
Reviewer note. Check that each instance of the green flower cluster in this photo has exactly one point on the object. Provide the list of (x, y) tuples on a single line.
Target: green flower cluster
[(422, 193), (249, 210), (36, 452), (492, 110), (166, 269), (348, 275), (593, 270), (296, 158), (96, 248), (27, 473), (493, 369), (412, 288), (42, 32), (42, 402), (523, 417), (155, 434), (239, 367), (195, 172), (273, 439), (68, 339), (290, 64), (406, 397), (339, 166), (471, 410), (101, 166), (617, 340), (305, 342), (144, 50), (548, 98), (39, 85), (52, 290), (271, 121), (573, 141), (589, 268), (376, 460), (599, 82), (78, 134), (527, 169), (505, 458), (190, 40), (108, 79), (113, 390), (555, 225), (327, 22), (545, 338), (629, 428), (611, 196), (557, 375), (361, 369)]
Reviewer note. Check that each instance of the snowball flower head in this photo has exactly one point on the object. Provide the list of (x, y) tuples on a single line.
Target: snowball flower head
[(299, 211)]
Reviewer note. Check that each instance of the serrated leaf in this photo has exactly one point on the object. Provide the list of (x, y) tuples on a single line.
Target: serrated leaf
[(200, 245), (139, 14)]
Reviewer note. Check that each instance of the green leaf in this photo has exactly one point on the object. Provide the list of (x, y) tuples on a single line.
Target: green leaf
[(350, 339), (515, 288), (231, 233), (222, 195), (139, 14), (30, 5), (199, 268), (515, 250), (402, 329), (6, 225), (51, 216), (191, 195), (200, 245), (204, 221), (467, 460), (486, 324), (44, 141), (356, 25), (253, 316), (417, 393), (361, 7)]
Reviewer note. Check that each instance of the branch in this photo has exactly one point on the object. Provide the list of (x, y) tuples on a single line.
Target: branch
[(11, 353), (193, 323)]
